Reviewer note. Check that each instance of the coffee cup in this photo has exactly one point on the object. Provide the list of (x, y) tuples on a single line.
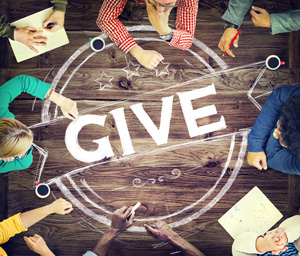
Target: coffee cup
[(97, 44), (273, 62), (42, 190)]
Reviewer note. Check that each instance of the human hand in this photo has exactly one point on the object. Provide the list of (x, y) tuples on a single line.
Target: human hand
[(56, 17), (38, 245), (69, 108), (258, 160), (161, 230), (60, 206), (7, 159), (159, 19), (226, 39), (260, 17), (148, 58), (29, 36), (274, 241), (119, 221)]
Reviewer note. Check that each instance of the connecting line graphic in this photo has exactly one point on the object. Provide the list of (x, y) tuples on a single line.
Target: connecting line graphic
[(249, 94)]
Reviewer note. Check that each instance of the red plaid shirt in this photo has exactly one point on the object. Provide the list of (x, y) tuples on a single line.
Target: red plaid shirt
[(109, 23)]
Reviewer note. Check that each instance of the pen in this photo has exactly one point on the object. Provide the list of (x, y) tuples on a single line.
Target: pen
[(233, 40), (50, 25)]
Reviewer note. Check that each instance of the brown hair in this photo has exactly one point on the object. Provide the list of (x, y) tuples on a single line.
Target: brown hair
[(15, 138)]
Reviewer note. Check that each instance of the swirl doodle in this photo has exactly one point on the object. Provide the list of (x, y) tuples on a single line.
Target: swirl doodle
[(175, 172)]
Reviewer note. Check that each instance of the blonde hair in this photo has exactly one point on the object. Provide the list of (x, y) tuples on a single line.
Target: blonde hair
[(15, 138)]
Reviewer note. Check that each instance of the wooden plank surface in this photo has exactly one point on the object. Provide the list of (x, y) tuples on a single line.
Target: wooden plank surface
[(200, 167)]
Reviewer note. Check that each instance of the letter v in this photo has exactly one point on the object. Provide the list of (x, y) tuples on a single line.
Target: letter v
[(160, 135)]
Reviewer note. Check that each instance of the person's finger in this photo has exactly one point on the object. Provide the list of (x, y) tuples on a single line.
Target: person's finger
[(68, 210), (254, 15), (122, 209), (160, 57), (150, 229), (236, 42), (229, 52), (127, 212), (257, 165), (46, 22), (37, 33), (33, 49), (264, 163), (131, 218), (257, 9), (39, 39), (39, 44), (31, 29), (37, 236)]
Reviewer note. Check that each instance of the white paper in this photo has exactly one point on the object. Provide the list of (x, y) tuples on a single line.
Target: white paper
[(254, 212), (54, 39)]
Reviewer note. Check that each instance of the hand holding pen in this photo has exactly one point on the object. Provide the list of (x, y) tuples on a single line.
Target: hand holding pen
[(55, 21)]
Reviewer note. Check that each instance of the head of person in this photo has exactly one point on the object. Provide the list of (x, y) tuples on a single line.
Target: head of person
[(162, 5), (289, 126), (15, 138)]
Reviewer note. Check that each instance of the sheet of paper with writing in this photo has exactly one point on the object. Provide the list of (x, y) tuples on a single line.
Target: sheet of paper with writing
[(54, 39), (254, 212)]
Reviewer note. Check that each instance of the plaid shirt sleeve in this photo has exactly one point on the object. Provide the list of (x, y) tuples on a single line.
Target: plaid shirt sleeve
[(185, 24), (109, 23)]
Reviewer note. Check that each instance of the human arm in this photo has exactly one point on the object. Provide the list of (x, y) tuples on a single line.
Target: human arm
[(161, 230), (119, 223), (38, 245), (57, 16), (235, 15), (59, 206), (109, 23), (279, 158), (285, 22), (14, 87), (269, 116), (185, 23), (10, 227)]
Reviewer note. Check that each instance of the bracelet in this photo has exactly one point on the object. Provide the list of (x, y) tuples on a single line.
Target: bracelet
[(51, 91), (230, 25), (168, 37)]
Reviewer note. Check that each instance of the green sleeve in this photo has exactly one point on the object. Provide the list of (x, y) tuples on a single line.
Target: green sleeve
[(5, 29), (236, 11), (59, 5), (285, 22), (14, 87), (17, 164)]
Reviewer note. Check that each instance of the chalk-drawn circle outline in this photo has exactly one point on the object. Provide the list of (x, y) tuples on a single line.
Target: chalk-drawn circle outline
[(215, 57)]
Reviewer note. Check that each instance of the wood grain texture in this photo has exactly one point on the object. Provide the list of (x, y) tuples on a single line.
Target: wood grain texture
[(200, 164)]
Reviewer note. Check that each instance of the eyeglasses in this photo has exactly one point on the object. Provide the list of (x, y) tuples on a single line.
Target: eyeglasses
[(24, 155), (162, 5)]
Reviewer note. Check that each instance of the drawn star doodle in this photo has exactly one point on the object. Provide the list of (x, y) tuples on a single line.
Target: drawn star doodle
[(162, 71), (131, 69), (104, 81)]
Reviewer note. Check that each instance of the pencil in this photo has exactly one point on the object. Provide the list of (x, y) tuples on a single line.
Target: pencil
[(233, 40)]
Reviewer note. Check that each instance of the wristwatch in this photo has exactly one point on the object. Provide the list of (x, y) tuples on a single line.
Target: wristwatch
[(230, 25), (167, 37)]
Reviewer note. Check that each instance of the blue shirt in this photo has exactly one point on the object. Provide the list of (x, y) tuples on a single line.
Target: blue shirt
[(261, 136)]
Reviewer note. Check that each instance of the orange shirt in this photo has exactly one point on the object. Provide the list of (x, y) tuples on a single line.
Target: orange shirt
[(10, 227)]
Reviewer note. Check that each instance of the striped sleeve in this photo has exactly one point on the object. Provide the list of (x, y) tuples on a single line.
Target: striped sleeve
[(185, 24), (109, 23)]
